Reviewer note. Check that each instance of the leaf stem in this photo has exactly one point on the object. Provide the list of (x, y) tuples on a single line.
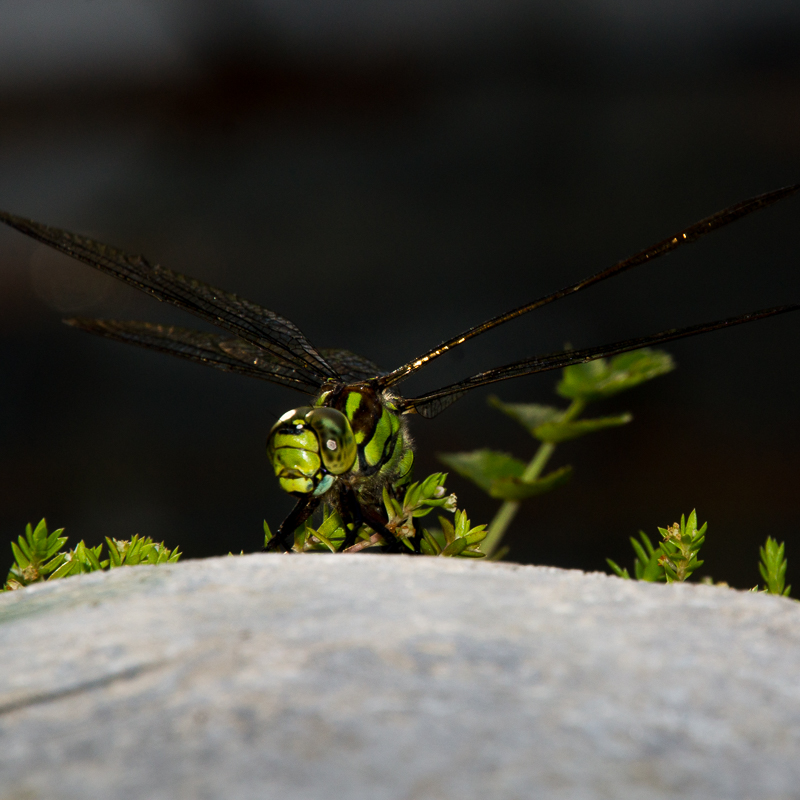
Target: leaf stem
[(506, 513)]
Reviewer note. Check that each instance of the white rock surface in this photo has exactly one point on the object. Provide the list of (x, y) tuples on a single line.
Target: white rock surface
[(388, 677)]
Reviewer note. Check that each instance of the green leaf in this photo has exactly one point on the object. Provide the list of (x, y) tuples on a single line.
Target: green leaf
[(332, 526), (447, 530), (477, 534), (412, 496), (773, 567), (19, 557), (471, 554), (483, 467), (601, 378), (325, 540), (27, 545), (622, 573), (429, 543), (91, 557), (530, 415), (40, 534), (563, 431), (461, 524), (646, 567), (69, 567), (455, 548), (267, 534), (113, 552), (680, 546), (431, 485), (53, 564), (427, 549), (300, 538), (517, 489), (547, 424)]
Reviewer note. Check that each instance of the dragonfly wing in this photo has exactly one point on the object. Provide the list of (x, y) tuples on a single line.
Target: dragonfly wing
[(351, 367), (687, 235), (429, 405), (229, 354), (260, 326)]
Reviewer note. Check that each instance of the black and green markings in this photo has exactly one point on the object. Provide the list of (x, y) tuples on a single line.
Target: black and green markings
[(350, 431), (351, 444), (309, 448)]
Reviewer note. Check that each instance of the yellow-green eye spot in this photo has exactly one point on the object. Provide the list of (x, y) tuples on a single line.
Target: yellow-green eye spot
[(303, 440), (292, 461), (308, 447), (338, 445), (296, 485)]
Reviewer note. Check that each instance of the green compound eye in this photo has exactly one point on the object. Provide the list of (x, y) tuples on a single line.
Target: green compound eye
[(337, 445), (308, 447)]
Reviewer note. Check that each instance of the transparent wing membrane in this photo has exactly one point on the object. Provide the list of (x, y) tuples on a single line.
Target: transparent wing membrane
[(267, 346), (229, 354), (431, 404), (251, 322), (351, 367), (687, 235), (226, 353)]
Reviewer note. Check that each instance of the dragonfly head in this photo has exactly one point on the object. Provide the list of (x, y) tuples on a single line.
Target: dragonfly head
[(308, 447)]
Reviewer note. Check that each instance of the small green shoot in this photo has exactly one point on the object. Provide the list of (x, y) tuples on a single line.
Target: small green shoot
[(403, 505), (645, 566), (457, 538), (39, 556), (773, 567), (675, 558), (680, 548)]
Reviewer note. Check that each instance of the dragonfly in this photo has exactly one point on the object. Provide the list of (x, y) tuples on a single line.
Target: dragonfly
[(350, 443)]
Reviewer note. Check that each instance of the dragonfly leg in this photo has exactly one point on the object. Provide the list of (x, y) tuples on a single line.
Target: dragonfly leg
[(284, 538), (358, 516)]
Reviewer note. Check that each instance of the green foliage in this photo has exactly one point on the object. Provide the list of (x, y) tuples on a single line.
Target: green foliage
[(39, 556), (548, 424), (501, 475), (595, 380), (418, 500), (645, 566), (773, 567), (139, 550), (457, 538), (675, 558), (504, 477), (36, 555), (680, 547)]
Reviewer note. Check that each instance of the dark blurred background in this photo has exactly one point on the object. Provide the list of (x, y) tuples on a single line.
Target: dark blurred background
[(386, 175)]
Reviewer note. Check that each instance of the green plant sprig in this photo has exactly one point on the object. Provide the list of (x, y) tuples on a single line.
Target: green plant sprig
[(675, 558), (645, 565), (39, 556), (418, 500), (511, 480), (680, 548), (773, 567)]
